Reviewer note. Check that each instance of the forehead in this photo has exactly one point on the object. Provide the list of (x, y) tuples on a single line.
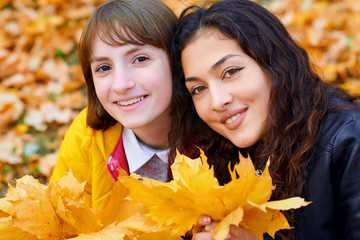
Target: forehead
[(206, 33), (206, 48), (115, 34), (113, 37), (211, 41)]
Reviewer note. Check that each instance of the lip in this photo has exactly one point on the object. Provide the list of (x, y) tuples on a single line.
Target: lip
[(238, 121), (133, 106)]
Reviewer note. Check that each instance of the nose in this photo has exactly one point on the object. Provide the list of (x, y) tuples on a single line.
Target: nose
[(220, 96), (123, 80)]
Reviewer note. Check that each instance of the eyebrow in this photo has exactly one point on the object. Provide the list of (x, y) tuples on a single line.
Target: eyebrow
[(215, 66), (130, 51), (222, 60)]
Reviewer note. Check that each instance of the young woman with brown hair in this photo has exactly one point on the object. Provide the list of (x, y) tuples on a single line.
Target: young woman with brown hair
[(124, 57)]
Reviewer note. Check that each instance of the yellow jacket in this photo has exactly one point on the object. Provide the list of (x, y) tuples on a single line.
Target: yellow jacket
[(85, 151)]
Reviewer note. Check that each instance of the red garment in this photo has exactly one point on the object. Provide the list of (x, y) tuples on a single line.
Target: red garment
[(118, 159)]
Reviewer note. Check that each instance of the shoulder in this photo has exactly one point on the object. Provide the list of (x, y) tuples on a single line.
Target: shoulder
[(84, 137), (79, 123), (342, 146), (340, 125), (339, 141), (84, 146), (80, 128)]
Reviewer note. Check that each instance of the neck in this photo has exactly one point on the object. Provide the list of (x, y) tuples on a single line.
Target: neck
[(155, 135)]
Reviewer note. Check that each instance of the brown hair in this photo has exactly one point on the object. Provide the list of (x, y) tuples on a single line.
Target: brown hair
[(119, 22)]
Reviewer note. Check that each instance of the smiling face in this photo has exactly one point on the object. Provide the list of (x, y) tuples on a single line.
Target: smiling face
[(133, 84), (229, 89)]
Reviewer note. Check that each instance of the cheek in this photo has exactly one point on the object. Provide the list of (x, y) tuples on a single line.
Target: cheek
[(100, 90), (160, 83), (202, 109), (264, 99), (98, 87), (157, 76), (165, 92)]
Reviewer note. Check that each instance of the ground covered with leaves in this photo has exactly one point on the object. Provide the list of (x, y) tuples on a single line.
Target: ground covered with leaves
[(42, 87)]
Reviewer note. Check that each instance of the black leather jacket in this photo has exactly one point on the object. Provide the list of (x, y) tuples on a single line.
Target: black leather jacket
[(333, 185)]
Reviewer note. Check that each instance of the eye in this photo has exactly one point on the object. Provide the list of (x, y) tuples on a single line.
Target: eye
[(140, 59), (231, 72), (103, 68), (197, 90)]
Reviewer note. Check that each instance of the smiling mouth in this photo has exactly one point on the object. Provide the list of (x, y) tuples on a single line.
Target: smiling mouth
[(232, 119), (131, 101)]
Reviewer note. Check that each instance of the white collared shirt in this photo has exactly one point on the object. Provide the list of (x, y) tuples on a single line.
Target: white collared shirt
[(137, 153)]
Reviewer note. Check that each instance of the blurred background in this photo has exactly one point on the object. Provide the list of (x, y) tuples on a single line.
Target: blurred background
[(42, 87)]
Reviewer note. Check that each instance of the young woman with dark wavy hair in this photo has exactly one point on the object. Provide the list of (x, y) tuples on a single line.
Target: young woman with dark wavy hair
[(243, 84)]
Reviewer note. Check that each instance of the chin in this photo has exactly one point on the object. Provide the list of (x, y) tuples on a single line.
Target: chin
[(243, 144)]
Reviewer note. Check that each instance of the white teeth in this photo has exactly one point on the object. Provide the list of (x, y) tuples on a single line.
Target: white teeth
[(132, 101), (233, 119)]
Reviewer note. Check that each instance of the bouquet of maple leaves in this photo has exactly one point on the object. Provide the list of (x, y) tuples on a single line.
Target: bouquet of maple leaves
[(142, 208)]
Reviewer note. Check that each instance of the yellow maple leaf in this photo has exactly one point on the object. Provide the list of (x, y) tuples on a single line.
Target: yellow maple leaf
[(56, 211), (111, 232), (195, 191), (118, 208), (222, 229), (7, 231), (161, 199), (67, 197), (6, 208), (69, 186), (31, 210)]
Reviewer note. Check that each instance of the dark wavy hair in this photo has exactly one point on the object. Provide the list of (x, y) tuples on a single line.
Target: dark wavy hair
[(117, 22), (299, 99)]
